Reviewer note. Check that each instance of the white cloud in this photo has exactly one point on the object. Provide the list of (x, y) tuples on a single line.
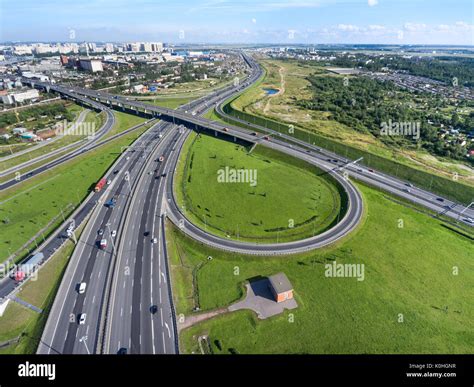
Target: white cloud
[(372, 3), (376, 27), (414, 26), (347, 27)]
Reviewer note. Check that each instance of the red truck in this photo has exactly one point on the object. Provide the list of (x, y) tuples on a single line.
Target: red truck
[(100, 184)]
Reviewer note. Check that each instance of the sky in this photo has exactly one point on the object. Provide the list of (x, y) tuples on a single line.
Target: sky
[(240, 21)]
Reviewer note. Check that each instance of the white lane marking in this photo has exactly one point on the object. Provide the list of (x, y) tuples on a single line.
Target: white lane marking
[(93, 299), (121, 311), (160, 294), (161, 316), (168, 328)]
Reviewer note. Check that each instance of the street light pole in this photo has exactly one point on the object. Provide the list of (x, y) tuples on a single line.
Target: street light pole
[(83, 339)]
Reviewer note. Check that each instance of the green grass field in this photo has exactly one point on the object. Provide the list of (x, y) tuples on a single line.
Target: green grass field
[(27, 208), (124, 121), (408, 277), (23, 322), (19, 320), (284, 201)]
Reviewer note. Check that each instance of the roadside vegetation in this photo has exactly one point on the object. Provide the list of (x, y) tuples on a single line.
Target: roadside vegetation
[(285, 199), (24, 324), (123, 121), (280, 111), (415, 296), (92, 118)]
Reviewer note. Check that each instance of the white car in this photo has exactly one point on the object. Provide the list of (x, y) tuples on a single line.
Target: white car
[(82, 287), (154, 240), (114, 233), (82, 319)]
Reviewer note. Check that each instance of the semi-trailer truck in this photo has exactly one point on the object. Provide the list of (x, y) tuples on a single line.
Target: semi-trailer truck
[(100, 184)]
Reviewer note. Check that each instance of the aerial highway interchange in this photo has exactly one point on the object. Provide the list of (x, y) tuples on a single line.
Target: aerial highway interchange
[(128, 305)]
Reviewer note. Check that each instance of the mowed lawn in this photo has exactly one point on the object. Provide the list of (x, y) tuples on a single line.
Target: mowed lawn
[(280, 201), (410, 300), (124, 121)]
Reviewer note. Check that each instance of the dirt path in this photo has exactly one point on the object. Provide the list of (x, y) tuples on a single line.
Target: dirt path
[(194, 319), (281, 89)]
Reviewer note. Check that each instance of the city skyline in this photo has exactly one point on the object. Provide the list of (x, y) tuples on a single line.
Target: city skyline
[(263, 21)]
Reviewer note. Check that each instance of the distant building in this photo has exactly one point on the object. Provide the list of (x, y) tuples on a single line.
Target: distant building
[(19, 130), (29, 136), (281, 287), (19, 97), (64, 60), (92, 65)]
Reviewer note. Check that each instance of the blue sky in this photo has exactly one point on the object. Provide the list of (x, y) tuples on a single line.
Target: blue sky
[(240, 21)]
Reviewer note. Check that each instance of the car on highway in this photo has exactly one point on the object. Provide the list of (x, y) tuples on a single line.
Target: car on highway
[(109, 182), (146, 233), (469, 220), (409, 185), (154, 240), (82, 318), (122, 351), (153, 309), (371, 170), (103, 244), (254, 133), (226, 129), (114, 233), (100, 232), (440, 199), (82, 288), (116, 171)]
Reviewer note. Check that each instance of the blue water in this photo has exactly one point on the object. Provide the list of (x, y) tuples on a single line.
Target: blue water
[(271, 91)]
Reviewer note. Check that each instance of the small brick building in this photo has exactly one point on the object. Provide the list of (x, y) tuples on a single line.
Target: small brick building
[(281, 287)]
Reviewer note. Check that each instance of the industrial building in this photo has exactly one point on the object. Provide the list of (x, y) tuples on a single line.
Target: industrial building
[(92, 65), (19, 97)]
